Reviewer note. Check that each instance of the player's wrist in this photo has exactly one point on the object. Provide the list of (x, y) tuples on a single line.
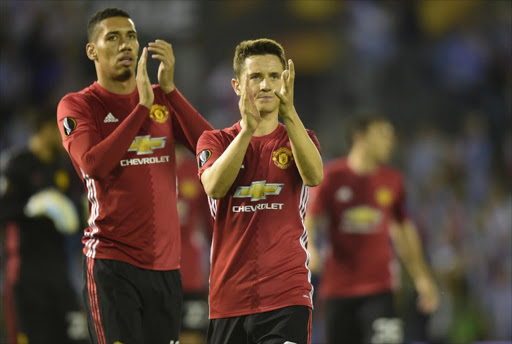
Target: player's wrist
[(247, 132), (168, 88), (288, 114), (146, 104)]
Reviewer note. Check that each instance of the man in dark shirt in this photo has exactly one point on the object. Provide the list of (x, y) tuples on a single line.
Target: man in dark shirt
[(40, 303)]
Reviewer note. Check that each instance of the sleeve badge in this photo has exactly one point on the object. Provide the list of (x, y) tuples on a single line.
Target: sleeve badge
[(69, 125), (204, 156)]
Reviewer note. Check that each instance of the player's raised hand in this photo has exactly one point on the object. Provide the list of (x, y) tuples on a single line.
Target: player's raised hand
[(247, 105), (146, 95), (163, 52), (285, 94)]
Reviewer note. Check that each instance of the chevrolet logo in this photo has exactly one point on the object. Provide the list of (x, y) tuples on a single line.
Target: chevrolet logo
[(146, 144), (258, 190)]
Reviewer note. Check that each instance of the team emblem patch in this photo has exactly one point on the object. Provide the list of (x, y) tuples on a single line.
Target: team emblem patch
[(159, 113), (204, 156), (68, 124), (282, 157), (383, 196)]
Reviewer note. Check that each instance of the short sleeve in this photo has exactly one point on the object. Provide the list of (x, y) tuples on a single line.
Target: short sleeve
[(313, 137), (318, 198)]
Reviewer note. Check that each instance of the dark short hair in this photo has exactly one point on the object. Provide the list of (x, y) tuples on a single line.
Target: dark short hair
[(362, 121), (262, 46), (101, 15)]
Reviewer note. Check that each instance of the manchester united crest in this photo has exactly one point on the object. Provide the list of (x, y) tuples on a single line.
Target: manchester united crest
[(282, 157), (159, 113), (383, 196)]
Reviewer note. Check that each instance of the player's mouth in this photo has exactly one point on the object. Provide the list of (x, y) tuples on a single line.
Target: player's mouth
[(265, 97), (126, 60)]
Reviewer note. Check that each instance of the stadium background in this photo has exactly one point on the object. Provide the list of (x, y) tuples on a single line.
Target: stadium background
[(441, 71)]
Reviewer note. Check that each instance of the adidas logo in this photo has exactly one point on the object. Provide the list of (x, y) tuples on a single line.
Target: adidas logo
[(110, 118)]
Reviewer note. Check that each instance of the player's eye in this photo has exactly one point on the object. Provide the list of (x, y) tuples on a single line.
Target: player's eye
[(112, 38), (132, 36)]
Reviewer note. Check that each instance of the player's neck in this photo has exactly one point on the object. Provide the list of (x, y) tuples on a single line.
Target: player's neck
[(118, 87), (361, 163), (268, 124)]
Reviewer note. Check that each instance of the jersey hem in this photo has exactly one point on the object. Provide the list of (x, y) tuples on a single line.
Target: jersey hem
[(358, 293), (258, 310), (132, 262)]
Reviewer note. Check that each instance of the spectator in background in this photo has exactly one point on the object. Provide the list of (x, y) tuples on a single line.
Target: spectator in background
[(477, 154), (196, 234), (496, 238), (40, 303), (120, 134), (364, 204)]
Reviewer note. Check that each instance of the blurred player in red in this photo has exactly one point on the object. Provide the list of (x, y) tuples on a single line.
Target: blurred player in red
[(196, 235), (120, 134), (363, 202), (257, 174)]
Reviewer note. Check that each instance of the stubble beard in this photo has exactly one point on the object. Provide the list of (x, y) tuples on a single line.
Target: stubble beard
[(124, 75)]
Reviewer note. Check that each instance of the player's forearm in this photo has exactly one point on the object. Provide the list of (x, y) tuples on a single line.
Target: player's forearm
[(411, 252), (305, 153), (98, 159), (311, 222), (218, 179)]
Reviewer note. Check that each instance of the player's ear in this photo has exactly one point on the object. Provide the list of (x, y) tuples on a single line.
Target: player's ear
[(236, 86), (90, 49)]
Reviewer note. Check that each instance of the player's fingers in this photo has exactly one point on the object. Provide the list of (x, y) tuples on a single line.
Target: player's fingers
[(291, 68), (279, 95), (141, 68), (160, 51), (157, 48), (161, 44), (159, 57), (247, 80), (285, 79), (247, 88)]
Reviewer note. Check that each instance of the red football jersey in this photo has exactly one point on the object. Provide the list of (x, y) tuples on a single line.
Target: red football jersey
[(124, 154), (258, 257), (359, 209), (196, 227)]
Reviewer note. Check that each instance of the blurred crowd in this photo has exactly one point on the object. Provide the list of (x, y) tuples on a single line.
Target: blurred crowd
[(440, 70)]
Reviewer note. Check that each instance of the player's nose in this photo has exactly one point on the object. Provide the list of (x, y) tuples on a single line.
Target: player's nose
[(265, 84), (125, 44)]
